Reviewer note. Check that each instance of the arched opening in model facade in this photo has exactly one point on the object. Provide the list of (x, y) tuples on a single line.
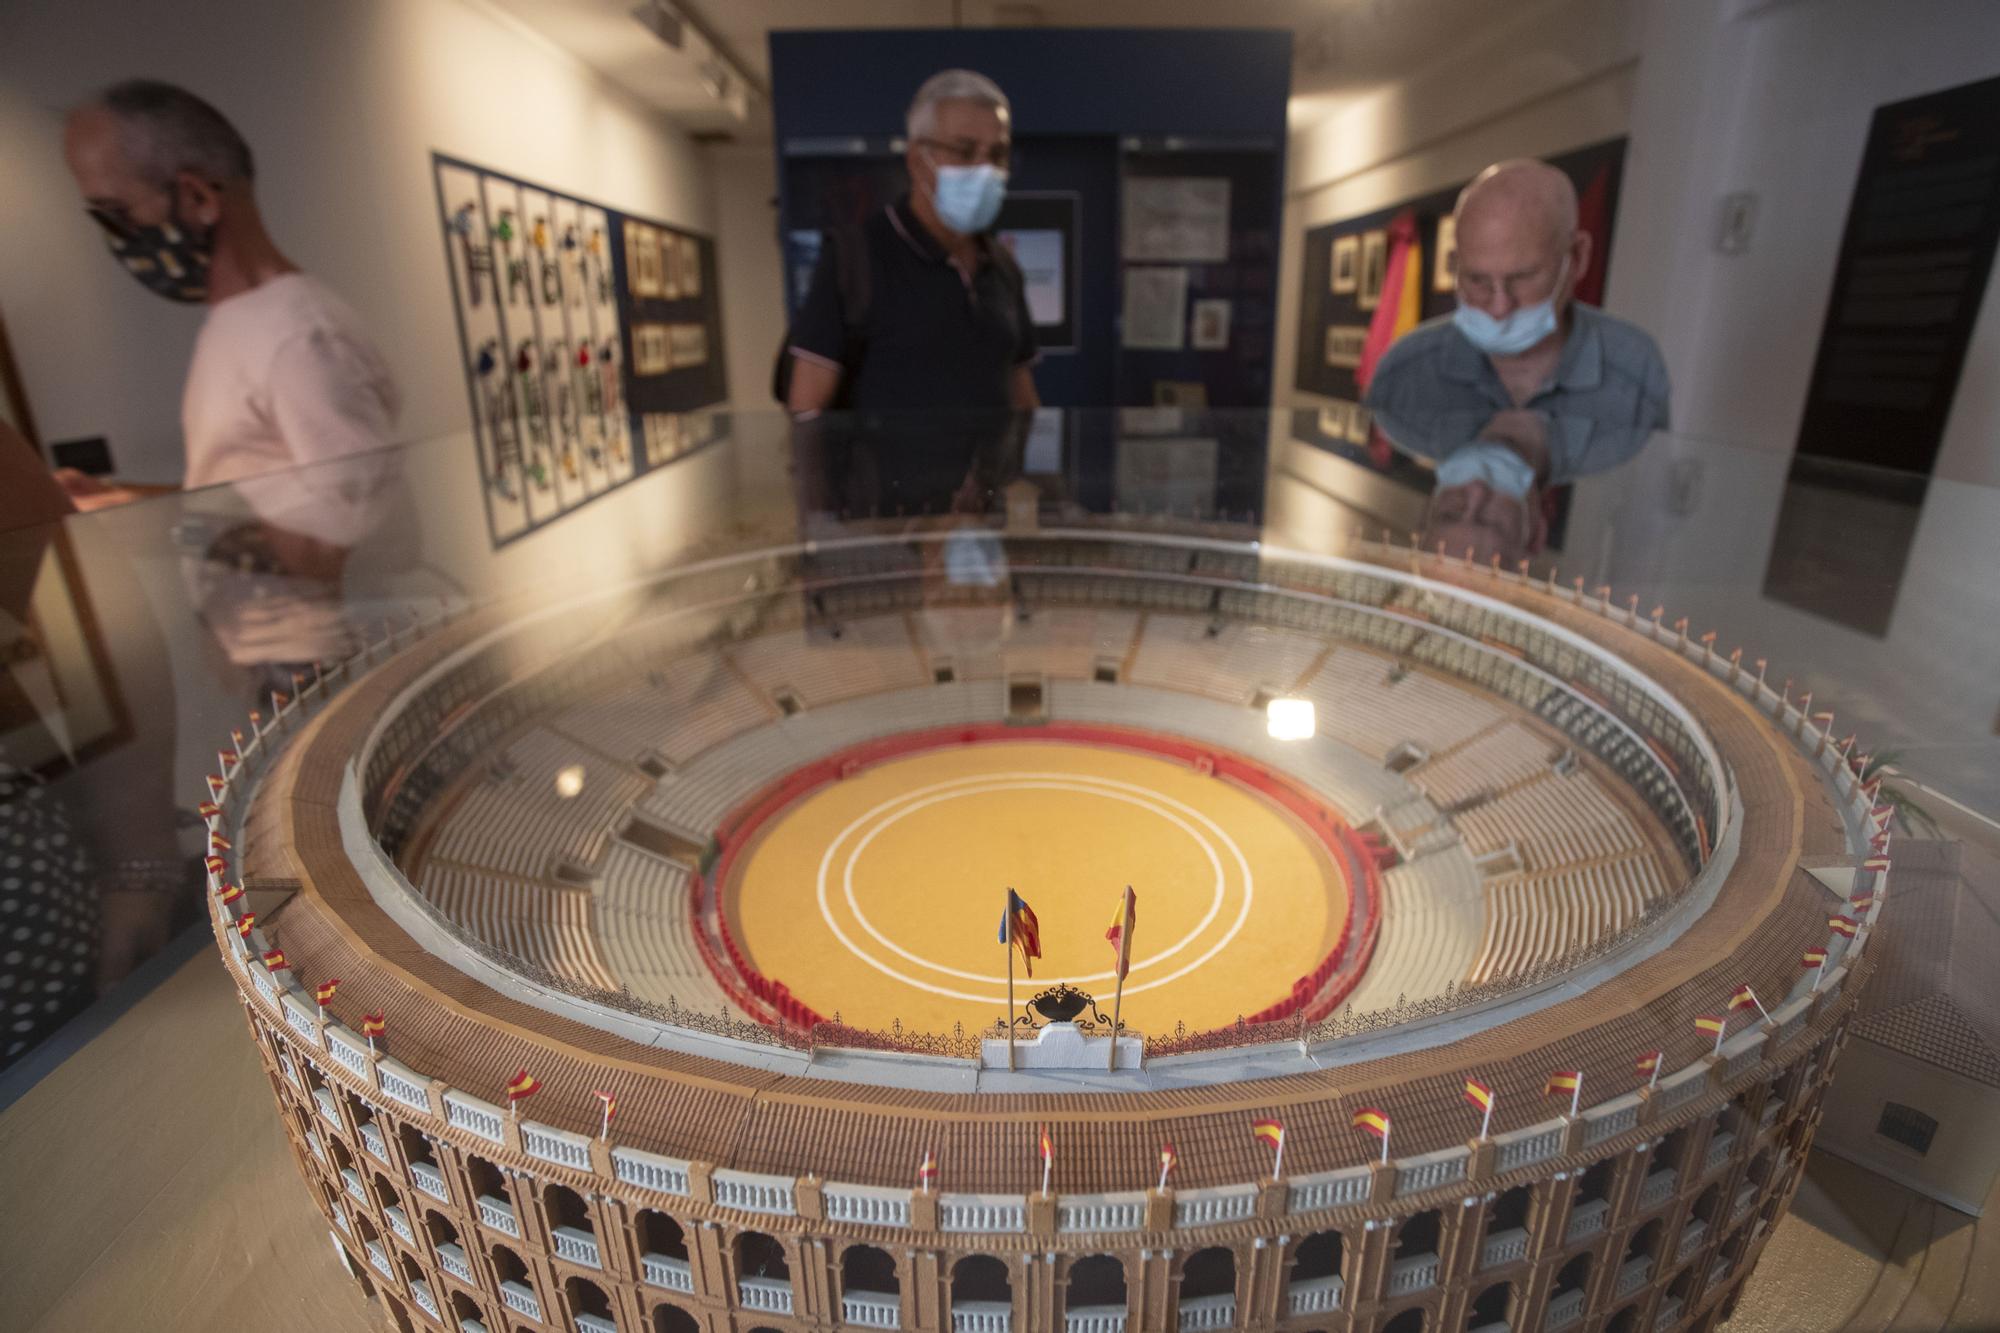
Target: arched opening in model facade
[(870, 1270), (980, 1287), (587, 1301), (1208, 1274), (569, 1225), (517, 1287), (1507, 1227), (1625, 1321), (1409, 1321), (487, 1181), (1645, 1242), (1316, 1282), (1673, 1151), (660, 1236), (463, 1307), (1571, 1277), (761, 1256), (1682, 1284), (416, 1147), (439, 1228), (1594, 1185), (1096, 1288), (396, 1315), (1492, 1308), (1416, 1251), (670, 1318), (385, 1193), (1707, 1206)]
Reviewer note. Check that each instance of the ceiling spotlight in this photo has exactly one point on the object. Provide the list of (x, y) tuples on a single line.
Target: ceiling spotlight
[(569, 782), (1290, 719)]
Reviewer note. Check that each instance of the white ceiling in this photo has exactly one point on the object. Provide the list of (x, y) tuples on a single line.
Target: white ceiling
[(1342, 48)]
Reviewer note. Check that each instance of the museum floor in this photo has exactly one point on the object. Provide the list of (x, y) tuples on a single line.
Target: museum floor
[(147, 1172)]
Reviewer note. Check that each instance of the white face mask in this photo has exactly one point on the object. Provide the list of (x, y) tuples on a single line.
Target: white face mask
[(1523, 327), (968, 198)]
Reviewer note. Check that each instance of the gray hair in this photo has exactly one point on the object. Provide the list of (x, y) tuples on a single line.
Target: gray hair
[(165, 130), (951, 85)]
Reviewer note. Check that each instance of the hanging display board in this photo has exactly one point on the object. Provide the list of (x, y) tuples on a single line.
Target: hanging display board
[(591, 340)]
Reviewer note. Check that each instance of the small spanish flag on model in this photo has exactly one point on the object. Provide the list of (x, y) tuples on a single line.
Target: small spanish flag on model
[(1843, 925), (1649, 1065), (1565, 1080), (1371, 1121), (323, 993), (1273, 1133), (1861, 902), (1481, 1096), (216, 865), (1716, 1025), (216, 786), (1119, 935), (1046, 1146), (1877, 864), (610, 1101), (275, 960), (218, 843), (245, 924), (229, 893), (236, 738), (1813, 958), (523, 1084), (1742, 997), (278, 700), (927, 1172), (208, 810), (1167, 1159), (373, 1026)]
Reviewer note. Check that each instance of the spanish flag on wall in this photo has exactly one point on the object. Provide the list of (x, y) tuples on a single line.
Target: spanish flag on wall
[(245, 924), (1812, 958), (1648, 1064), (275, 960), (1019, 927), (229, 893)]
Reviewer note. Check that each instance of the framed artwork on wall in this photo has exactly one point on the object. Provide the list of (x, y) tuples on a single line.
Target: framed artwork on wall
[(1374, 266), (1444, 269), (1346, 265)]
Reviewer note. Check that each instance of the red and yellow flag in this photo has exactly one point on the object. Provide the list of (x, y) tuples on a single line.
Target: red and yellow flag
[(1742, 998), (927, 1171), (216, 786), (216, 865), (1120, 933), (1563, 1080), (1168, 1157), (1371, 1121), (229, 893), (1812, 958), (610, 1101), (1648, 1063), (218, 843), (1861, 902), (1876, 863), (208, 810), (1271, 1131), (275, 960), (1400, 305), (1479, 1094), (323, 993), (1709, 1025), (1020, 928), (523, 1084), (1046, 1146), (1843, 925), (236, 737), (246, 923), (373, 1025)]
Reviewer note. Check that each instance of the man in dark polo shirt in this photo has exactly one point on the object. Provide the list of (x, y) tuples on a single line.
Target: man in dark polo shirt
[(923, 340)]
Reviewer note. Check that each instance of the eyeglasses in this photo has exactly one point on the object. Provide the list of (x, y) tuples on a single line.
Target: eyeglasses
[(967, 152), (1520, 288)]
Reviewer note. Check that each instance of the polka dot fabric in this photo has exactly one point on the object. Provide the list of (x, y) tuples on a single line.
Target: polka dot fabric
[(48, 925)]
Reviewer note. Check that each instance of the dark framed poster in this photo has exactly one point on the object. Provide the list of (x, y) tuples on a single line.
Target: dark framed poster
[(591, 340)]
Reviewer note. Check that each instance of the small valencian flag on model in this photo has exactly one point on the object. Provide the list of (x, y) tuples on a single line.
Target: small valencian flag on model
[(1565, 1080), (1273, 1133), (1371, 1121), (1120, 936), (1481, 1096), (1167, 1159), (523, 1084), (610, 1109), (1019, 929)]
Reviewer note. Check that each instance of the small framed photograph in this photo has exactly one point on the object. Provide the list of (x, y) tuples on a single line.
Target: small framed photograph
[(1208, 327), (1346, 266), (687, 344), (1444, 269), (670, 265), (1344, 343), (1374, 266), (690, 266)]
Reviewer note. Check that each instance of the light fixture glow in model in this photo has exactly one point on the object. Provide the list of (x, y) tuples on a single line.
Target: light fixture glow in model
[(1290, 719), (569, 782)]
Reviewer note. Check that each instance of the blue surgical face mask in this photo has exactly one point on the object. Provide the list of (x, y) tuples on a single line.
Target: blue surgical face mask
[(1499, 467), (968, 198), (1523, 327)]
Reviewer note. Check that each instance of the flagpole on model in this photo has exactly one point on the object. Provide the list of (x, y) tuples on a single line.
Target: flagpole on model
[(1385, 1142), (1124, 965), (1486, 1120), (1576, 1094)]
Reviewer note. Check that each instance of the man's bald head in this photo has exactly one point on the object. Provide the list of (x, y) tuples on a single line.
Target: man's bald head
[(1515, 224)]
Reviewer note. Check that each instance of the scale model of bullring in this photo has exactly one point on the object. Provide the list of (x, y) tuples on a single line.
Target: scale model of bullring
[(1606, 899)]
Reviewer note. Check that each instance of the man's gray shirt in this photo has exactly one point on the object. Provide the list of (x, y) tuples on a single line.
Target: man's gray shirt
[(1434, 390)]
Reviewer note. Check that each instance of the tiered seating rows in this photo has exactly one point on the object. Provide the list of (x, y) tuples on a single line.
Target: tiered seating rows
[(1512, 753), (985, 642), (871, 655), (1535, 918), (1176, 653), (698, 702), (1356, 704), (643, 924), (1556, 822), (520, 825), (541, 922), (1433, 923)]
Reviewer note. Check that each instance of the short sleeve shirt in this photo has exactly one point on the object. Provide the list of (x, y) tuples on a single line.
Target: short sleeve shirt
[(1434, 391), (933, 338)]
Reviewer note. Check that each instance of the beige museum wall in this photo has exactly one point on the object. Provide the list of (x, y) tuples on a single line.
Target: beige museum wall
[(1963, 1159), (343, 104)]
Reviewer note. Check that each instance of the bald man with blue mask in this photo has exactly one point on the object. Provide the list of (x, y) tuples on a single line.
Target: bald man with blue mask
[(1522, 386)]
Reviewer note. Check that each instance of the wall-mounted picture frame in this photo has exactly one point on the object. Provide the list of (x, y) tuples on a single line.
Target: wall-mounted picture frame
[(1345, 269), (1344, 343), (690, 266), (687, 345), (1374, 267), (1444, 268), (649, 350)]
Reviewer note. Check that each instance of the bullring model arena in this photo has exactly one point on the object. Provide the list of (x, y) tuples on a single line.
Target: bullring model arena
[(644, 962)]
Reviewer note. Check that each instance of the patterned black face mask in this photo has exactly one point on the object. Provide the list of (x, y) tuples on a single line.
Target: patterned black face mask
[(167, 259)]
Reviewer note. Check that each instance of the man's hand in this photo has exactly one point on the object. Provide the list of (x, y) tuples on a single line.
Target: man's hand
[(1523, 431)]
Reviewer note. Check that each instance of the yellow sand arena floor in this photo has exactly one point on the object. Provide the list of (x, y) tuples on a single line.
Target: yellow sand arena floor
[(879, 897)]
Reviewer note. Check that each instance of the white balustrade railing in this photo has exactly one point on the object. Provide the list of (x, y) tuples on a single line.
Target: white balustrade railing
[(498, 1214), (1316, 1295), (1564, 1310), (1586, 1219), (981, 1317), (1632, 1275), (662, 1175), (420, 1292), (868, 1205), (1328, 1189), (1100, 1212), (1611, 1119), (754, 1193), (870, 1309), (318, 1148), (352, 1058), (555, 1145), (1668, 1314), (329, 1105), (426, 1177), (404, 1084), (373, 1142), (1658, 1187), (468, 1113), (1430, 1170), (576, 1245), (1524, 1147), (982, 1213), (1719, 1149), (520, 1298), (1691, 1238), (668, 1274), (467, 1324), (594, 1323), (1095, 1319), (399, 1222), (301, 1017), (1416, 1273), (773, 1295), (340, 1219), (1223, 1203), (1745, 1196), (352, 1179), (451, 1257), (1200, 1314), (1504, 1247), (379, 1257)]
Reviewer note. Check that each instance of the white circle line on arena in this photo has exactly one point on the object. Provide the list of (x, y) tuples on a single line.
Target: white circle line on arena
[(991, 782), (826, 859)]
